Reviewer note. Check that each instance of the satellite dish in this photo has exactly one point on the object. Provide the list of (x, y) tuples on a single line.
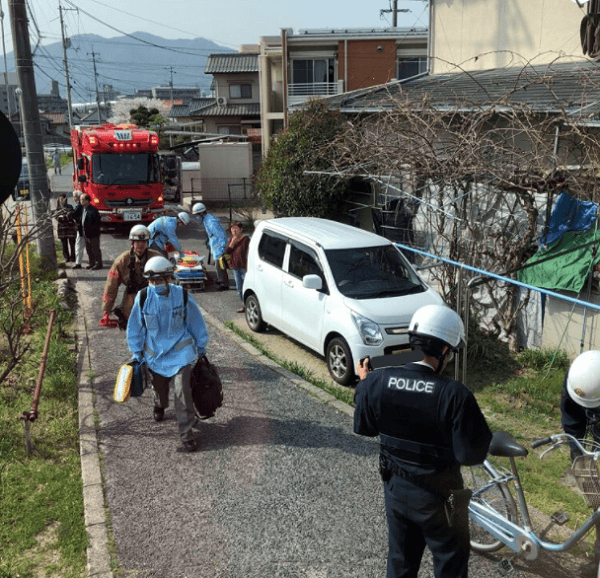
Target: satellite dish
[(10, 149)]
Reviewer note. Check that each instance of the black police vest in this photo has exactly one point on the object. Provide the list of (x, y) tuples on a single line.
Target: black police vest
[(410, 425)]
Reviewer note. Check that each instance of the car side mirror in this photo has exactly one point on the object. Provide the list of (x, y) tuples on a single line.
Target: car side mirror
[(82, 178), (312, 282), (80, 164)]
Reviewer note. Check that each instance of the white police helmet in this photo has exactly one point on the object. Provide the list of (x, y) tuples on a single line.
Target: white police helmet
[(198, 208), (583, 379), (183, 217), (158, 268), (139, 233), (437, 322)]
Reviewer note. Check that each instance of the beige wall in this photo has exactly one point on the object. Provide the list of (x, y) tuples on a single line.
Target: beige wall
[(226, 169), (465, 32), (564, 323)]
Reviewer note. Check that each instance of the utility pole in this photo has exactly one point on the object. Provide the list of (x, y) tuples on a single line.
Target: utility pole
[(171, 136), (5, 68), (96, 81), (32, 133), (66, 42), (394, 10)]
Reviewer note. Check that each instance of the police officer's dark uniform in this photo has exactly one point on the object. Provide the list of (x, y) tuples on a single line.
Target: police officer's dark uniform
[(428, 426), (580, 409)]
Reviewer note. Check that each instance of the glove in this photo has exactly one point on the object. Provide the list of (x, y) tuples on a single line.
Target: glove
[(122, 319), (107, 322)]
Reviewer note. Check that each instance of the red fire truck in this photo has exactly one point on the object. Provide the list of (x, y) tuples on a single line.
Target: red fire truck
[(119, 168)]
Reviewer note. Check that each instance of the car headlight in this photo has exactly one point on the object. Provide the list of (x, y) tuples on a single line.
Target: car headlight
[(368, 330)]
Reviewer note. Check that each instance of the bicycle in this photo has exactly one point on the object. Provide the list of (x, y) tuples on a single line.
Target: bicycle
[(497, 521)]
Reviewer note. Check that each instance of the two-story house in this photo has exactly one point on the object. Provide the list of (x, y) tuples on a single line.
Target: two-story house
[(234, 106), (320, 63)]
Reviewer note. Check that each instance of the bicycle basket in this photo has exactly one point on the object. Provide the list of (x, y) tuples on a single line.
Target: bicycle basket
[(585, 472)]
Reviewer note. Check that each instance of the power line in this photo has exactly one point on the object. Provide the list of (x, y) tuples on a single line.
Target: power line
[(130, 35)]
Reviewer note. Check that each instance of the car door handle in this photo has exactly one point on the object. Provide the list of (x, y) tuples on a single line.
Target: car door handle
[(289, 282), (259, 267)]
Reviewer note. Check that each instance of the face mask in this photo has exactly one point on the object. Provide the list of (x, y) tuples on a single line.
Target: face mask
[(158, 289)]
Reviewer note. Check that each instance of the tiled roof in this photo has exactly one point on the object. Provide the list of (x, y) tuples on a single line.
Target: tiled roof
[(180, 110), (223, 63), (568, 86), (199, 103), (230, 110), (191, 107), (55, 117)]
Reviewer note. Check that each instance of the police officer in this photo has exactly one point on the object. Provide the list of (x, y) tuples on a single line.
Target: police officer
[(127, 269), (167, 331), (428, 426), (164, 231), (580, 409)]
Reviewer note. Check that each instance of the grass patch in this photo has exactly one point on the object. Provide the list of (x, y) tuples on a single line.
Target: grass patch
[(42, 530), (344, 394)]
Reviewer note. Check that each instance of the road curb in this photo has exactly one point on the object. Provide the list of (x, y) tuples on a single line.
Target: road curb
[(98, 557), (292, 377)]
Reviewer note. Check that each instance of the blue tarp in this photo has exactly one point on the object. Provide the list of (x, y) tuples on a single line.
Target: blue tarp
[(569, 214)]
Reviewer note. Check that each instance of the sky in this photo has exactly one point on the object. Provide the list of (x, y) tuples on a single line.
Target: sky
[(229, 24)]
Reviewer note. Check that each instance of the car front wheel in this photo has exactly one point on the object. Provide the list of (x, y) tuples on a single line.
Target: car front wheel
[(253, 314), (339, 361)]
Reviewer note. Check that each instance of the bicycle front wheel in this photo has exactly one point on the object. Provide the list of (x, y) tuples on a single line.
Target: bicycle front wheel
[(496, 496)]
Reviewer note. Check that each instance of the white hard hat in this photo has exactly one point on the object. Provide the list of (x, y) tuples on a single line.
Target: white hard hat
[(158, 268), (437, 322), (583, 379), (139, 233), (198, 208), (183, 217)]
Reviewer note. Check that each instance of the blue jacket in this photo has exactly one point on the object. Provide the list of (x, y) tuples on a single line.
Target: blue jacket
[(217, 238), (163, 231), (165, 334)]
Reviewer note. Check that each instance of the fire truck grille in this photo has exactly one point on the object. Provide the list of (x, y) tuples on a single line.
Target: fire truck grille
[(128, 203)]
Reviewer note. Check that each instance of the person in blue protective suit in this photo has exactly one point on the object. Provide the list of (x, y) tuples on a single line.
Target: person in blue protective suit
[(167, 331), (429, 426), (217, 242), (164, 230)]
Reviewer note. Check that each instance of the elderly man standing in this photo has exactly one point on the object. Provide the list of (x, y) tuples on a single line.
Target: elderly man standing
[(79, 242), (217, 241)]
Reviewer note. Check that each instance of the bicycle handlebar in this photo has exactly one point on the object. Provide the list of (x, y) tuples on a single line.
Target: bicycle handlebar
[(541, 442)]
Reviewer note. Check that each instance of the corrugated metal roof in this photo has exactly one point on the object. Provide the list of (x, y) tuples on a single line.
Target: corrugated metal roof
[(230, 110), (226, 63), (569, 86)]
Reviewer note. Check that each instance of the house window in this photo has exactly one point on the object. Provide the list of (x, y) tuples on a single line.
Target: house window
[(311, 71), (240, 91), (408, 67), (230, 130)]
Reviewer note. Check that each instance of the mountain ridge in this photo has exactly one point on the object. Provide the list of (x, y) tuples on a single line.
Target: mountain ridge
[(123, 62)]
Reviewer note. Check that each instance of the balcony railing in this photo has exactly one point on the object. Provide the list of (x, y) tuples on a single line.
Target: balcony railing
[(301, 92)]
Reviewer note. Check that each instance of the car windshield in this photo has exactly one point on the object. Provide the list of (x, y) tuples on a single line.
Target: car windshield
[(372, 272), (125, 169)]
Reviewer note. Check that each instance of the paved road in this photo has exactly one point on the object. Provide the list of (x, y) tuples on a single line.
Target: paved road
[(280, 487)]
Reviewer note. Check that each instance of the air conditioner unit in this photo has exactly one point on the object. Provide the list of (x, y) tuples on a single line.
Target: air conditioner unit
[(222, 101)]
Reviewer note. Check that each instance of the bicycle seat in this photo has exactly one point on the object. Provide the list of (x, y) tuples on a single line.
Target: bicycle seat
[(504, 445)]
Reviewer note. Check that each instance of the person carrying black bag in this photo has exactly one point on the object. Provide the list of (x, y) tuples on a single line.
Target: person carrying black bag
[(428, 427)]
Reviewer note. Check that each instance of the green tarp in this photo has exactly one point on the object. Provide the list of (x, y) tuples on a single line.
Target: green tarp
[(567, 272)]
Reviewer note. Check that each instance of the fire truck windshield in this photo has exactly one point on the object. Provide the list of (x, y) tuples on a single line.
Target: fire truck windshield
[(125, 169)]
